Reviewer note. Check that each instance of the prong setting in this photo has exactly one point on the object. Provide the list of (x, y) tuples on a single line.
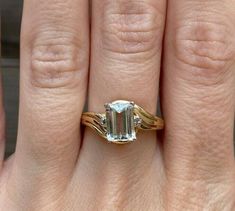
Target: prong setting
[(120, 122)]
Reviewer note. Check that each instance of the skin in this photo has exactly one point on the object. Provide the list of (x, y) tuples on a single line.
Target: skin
[(109, 50)]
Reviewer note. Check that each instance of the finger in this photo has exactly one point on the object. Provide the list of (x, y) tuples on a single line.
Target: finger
[(199, 92), (54, 64), (125, 64)]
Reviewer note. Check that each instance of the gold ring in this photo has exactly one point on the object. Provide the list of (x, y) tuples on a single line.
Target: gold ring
[(121, 121)]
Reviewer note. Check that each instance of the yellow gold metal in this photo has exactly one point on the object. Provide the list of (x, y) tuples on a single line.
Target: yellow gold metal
[(96, 121), (149, 121)]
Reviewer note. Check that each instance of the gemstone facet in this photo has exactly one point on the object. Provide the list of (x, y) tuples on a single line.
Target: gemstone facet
[(120, 122)]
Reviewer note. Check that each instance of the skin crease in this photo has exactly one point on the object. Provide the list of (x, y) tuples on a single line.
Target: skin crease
[(61, 166)]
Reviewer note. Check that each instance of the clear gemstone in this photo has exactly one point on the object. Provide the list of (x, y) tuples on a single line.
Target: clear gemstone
[(120, 121), (137, 121), (103, 120)]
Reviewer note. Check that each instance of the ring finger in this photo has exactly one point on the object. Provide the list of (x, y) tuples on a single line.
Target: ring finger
[(125, 65)]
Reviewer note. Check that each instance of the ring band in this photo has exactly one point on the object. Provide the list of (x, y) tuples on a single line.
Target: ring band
[(121, 121)]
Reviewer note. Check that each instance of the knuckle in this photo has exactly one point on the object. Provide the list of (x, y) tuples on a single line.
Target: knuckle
[(57, 60), (206, 48), (132, 27)]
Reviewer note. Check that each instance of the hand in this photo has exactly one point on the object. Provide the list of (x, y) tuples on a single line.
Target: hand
[(188, 166)]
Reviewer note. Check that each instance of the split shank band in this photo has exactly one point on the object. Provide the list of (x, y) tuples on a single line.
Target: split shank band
[(121, 121)]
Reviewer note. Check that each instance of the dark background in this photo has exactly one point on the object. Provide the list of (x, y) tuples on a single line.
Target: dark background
[(11, 11)]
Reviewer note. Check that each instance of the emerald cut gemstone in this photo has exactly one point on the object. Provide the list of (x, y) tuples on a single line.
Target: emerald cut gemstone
[(120, 121)]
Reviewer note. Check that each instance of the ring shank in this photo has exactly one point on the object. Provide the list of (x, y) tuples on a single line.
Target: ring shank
[(149, 121), (93, 120)]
